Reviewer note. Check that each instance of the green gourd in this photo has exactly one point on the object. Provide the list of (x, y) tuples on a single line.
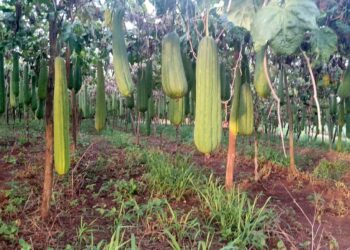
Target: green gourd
[(344, 87), (43, 79), (13, 101), (174, 81), (15, 75), (207, 129), (260, 81), (280, 90), (120, 58), (77, 78), (225, 84), (2, 85), (71, 77), (333, 104), (61, 119), (100, 112), (347, 124), (245, 111), (233, 122), (26, 89), (149, 78), (21, 94), (150, 107), (130, 102), (189, 72), (347, 105), (34, 101), (142, 97), (341, 113), (40, 110), (187, 104), (176, 111)]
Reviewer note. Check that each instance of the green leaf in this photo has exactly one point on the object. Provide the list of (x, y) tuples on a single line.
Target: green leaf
[(284, 25), (323, 43), (241, 13)]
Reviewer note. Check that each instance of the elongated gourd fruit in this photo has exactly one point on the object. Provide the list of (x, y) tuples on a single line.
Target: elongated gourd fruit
[(332, 104), (100, 113), (207, 128), (13, 101), (225, 84), (71, 77), (341, 114), (2, 85), (15, 74), (26, 89), (233, 123), (114, 102), (150, 107), (142, 96), (40, 110), (120, 58), (189, 72), (42, 81), (34, 101), (130, 102), (85, 101), (187, 104), (245, 111), (176, 111), (280, 90), (344, 87), (149, 78), (121, 107), (347, 124), (77, 78), (21, 94), (174, 81), (61, 118), (260, 81)]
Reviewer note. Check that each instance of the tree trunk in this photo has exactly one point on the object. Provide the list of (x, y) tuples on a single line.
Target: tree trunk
[(48, 175), (292, 167), (231, 156)]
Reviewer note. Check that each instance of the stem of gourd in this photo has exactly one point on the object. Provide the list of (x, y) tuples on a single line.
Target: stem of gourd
[(207, 24)]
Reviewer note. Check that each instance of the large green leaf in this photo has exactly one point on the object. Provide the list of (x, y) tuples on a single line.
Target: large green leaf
[(284, 25), (241, 13), (323, 43)]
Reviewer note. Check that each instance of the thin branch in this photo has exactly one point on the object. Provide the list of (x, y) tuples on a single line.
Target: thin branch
[(190, 40), (315, 89), (220, 34), (277, 101)]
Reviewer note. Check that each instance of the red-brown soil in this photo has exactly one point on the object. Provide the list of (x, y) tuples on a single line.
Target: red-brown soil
[(293, 199)]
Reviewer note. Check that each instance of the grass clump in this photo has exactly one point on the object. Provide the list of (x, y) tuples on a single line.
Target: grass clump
[(240, 220), (174, 178), (330, 170)]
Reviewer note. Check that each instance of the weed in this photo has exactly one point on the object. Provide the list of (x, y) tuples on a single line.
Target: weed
[(84, 230), (239, 220), (330, 170), (8, 230), (180, 226), (16, 195), (168, 178), (117, 240)]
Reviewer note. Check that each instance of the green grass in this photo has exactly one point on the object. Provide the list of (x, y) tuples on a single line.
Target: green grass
[(330, 170), (240, 220), (172, 177)]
